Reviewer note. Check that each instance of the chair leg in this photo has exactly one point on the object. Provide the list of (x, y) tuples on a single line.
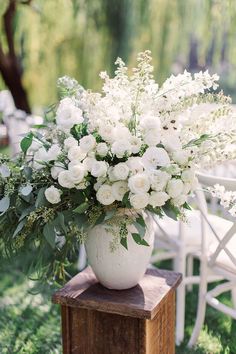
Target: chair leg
[(233, 295), (180, 266), (189, 271), (201, 310)]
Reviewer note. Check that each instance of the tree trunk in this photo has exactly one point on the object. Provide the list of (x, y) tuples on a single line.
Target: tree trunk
[(9, 63)]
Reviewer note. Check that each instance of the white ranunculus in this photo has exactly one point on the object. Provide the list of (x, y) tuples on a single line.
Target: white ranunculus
[(135, 164), (105, 195), (87, 143), (154, 157), (174, 187), (181, 157), (188, 176), (76, 153), (139, 201), (139, 183), (159, 180), (158, 199), (68, 114), (77, 173), (152, 137), (53, 152), (120, 171), (180, 200), (56, 169), (99, 169), (64, 179), (119, 189), (53, 195), (102, 149), (69, 142), (136, 144), (121, 147)]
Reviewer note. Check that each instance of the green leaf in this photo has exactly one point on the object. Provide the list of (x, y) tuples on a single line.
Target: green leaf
[(141, 229), (61, 220), (171, 211), (140, 220), (19, 227), (124, 243), (39, 126), (4, 171), (100, 219), (26, 190), (81, 208), (28, 172), (49, 234), (139, 240), (4, 204), (109, 214), (26, 142), (41, 199), (26, 212), (187, 206), (125, 200)]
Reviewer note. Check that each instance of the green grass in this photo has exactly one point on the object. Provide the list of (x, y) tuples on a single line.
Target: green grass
[(30, 324)]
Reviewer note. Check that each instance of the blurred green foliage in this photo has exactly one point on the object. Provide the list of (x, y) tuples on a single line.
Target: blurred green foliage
[(82, 37)]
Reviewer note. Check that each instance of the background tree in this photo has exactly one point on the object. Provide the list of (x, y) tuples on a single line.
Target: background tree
[(10, 61)]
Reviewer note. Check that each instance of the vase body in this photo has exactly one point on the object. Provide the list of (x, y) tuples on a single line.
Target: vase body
[(119, 268)]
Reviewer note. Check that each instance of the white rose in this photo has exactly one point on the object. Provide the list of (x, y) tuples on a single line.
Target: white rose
[(53, 195), (181, 157), (158, 199), (77, 173), (188, 176), (69, 142), (40, 157), (121, 132), (88, 163), (159, 180), (139, 183), (105, 195), (180, 200), (99, 168), (120, 171), (171, 142), (152, 137), (111, 174), (154, 157), (121, 147), (87, 143), (106, 132), (149, 122), (135, 164), (174, 187), (64, 179), (56, 169), (76, 153), (102, 149), (68, 114), (136, 144), (53, 152), (119, 189), (139, 201)]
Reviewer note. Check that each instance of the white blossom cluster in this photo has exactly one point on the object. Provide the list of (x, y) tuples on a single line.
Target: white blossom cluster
[(131, 140), (227, 198)]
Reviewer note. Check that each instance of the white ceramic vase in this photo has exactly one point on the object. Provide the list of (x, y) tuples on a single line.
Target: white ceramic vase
[(121, 268)]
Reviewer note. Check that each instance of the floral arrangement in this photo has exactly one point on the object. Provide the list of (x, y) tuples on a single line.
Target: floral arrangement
[(227, 198), (135, 145)]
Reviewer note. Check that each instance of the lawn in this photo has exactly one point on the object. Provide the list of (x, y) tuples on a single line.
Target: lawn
[(31, 324)]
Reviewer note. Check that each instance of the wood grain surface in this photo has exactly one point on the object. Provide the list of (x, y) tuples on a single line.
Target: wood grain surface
[(142, 301)]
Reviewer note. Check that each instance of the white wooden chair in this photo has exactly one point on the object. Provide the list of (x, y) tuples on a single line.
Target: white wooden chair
[(217, 257)]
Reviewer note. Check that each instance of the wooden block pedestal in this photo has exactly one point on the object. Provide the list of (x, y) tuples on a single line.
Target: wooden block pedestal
[(140, 320)]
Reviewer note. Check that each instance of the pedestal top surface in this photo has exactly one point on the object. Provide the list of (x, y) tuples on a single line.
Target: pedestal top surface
[(142, 301)]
